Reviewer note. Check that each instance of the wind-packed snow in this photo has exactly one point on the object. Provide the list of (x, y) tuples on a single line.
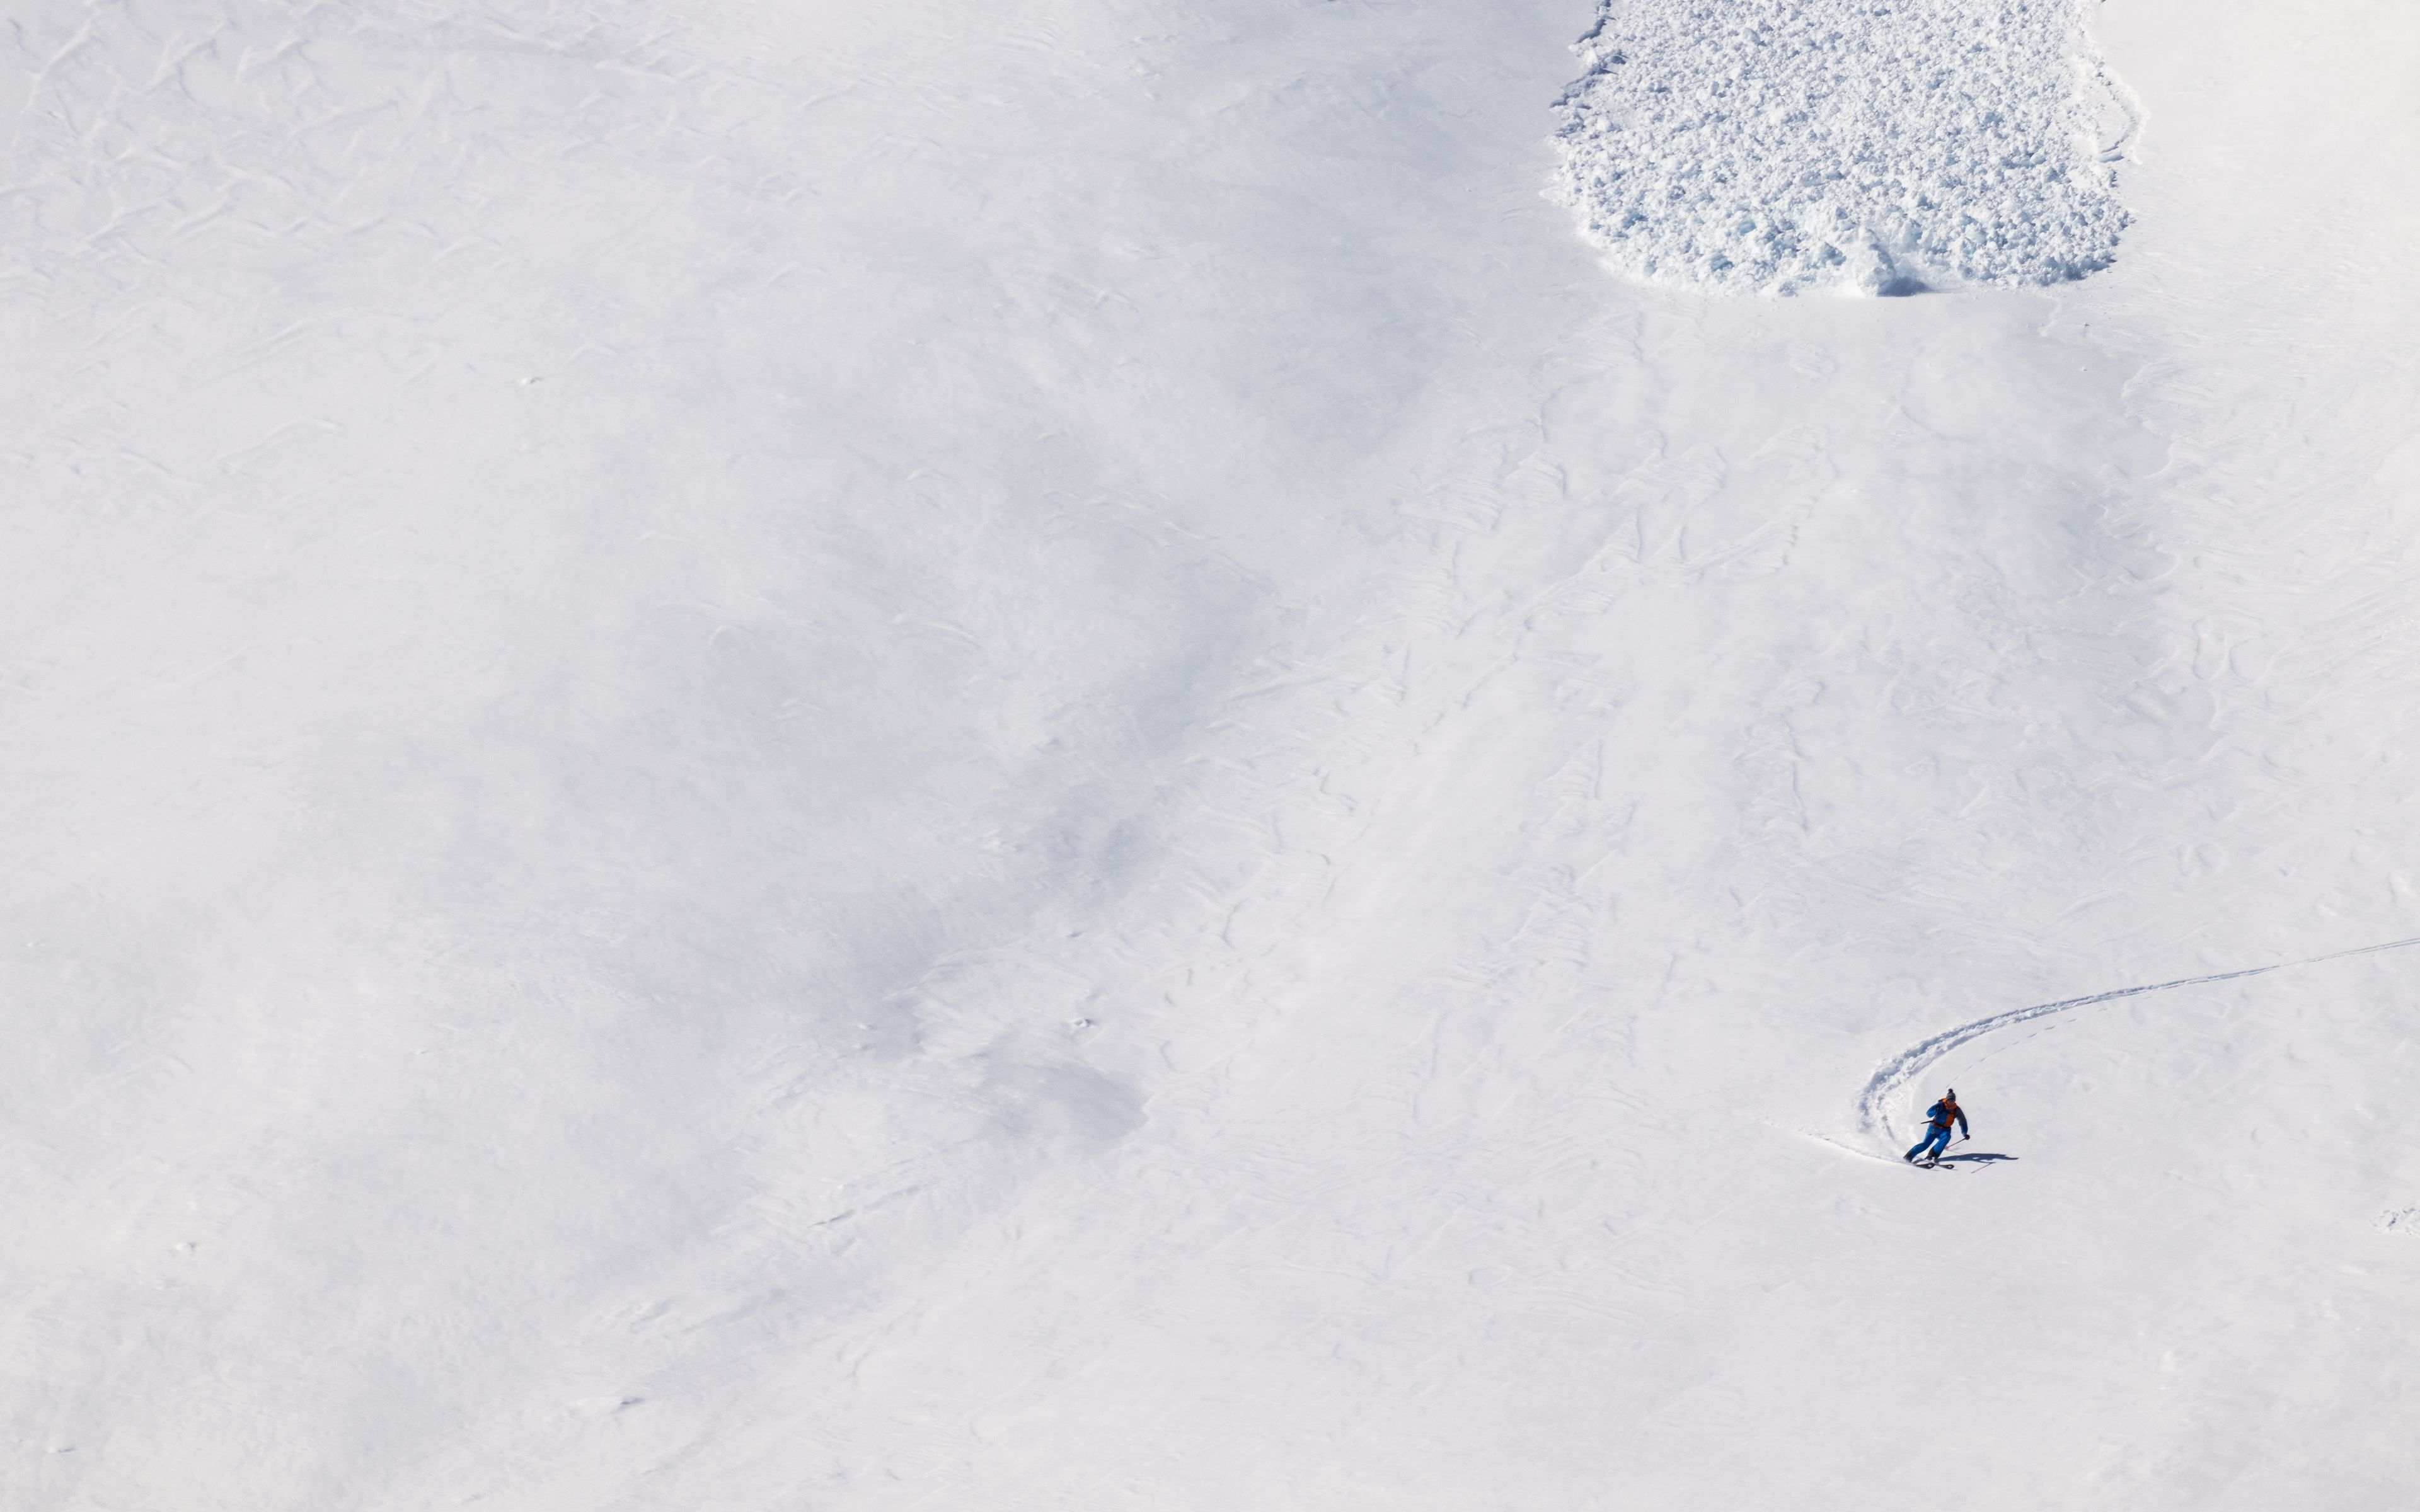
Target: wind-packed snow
[(1033, 756), (1782, 146)]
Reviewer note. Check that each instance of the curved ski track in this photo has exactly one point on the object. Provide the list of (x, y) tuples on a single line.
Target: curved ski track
[(1873, 1116)]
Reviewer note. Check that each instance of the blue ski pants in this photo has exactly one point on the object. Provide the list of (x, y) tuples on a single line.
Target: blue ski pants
[(1935, 1140)]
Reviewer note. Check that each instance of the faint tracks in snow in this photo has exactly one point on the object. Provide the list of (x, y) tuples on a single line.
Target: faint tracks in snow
[(1892, 1076)]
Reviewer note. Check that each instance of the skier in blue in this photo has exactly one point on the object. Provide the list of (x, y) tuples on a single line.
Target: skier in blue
[(1936, 1137)]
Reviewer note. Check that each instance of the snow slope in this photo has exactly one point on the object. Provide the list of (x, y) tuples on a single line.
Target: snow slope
[(1033, 756)]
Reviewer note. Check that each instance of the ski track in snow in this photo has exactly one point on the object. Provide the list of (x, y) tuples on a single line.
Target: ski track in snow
[(1873, 1102), (1775, 148)]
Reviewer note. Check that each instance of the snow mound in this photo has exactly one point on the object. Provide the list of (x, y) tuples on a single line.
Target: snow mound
[(2401, 1220), (1782, 146)]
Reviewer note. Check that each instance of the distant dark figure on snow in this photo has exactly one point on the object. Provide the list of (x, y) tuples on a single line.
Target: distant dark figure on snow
[(1940, 1116)]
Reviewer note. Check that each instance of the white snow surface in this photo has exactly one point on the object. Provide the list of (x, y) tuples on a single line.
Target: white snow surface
[(1878, 146), (1033, 756)]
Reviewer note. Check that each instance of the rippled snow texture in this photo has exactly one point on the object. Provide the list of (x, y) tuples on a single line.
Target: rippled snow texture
[(1882, 146)]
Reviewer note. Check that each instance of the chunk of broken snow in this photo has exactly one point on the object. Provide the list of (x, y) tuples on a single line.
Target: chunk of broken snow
[(1775, 148)]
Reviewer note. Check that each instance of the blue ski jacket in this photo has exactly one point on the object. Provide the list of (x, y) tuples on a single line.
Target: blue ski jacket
[(1940, 1114)]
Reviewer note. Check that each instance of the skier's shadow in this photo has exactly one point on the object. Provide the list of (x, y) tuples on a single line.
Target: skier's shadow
[(1978, 1158)]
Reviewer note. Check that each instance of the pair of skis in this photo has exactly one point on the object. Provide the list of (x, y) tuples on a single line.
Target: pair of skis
[(1935, 1160)]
